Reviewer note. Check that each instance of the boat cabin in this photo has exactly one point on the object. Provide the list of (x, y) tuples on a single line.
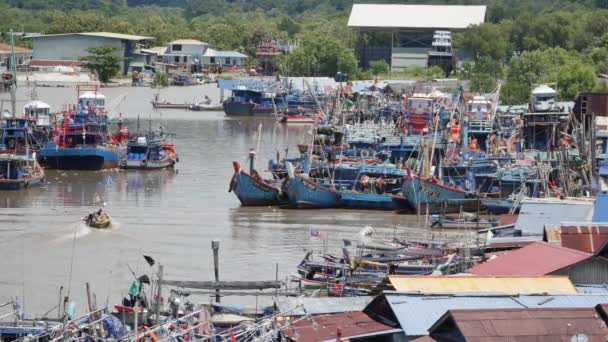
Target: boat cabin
[(543, 99), (418, 112), (14, 135), (92, 100), (143, 149), (39, 111), (14, 167)]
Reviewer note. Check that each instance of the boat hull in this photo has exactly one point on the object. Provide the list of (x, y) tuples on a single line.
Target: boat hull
[(136, 164), (434, 197), (357, 200), (18, 184), (306, 194), (252, 191), (97, 158), (238, 108)]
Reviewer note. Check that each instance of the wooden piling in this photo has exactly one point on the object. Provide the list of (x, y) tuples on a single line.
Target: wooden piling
[(215, 245)]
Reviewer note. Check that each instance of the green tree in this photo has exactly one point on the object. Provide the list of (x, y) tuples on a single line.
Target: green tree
[(103, 61), (487, 40), (160, 80), (378, 67), (321, 56)]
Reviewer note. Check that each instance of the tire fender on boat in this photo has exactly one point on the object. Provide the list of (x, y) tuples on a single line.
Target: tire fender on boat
[(144, 162), (123, 163)]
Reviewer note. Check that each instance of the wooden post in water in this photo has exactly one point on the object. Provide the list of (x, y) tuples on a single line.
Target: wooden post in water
[(215, 245), (158, 293)]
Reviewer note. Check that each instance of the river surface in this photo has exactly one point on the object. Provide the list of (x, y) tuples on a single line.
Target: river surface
[(170, 215)]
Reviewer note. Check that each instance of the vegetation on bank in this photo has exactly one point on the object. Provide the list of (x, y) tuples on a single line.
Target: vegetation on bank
[(525, 42)]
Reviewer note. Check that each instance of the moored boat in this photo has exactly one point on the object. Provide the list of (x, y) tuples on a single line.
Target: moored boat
[(19, 172), (150, 152), (252, 190)]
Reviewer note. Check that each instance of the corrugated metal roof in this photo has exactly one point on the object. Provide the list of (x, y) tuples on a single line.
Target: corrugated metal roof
[(416, 314), (224, 54), (156, 50), (325, 327), (525, 324), (536, 259), (318, 306), (416, 16), (95, 34), (584, 237), (468, 284), (600, 212), (536, 213)]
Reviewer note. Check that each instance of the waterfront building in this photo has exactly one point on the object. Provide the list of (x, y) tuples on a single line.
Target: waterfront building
[(413, 35), (51, 50), (22, 55)]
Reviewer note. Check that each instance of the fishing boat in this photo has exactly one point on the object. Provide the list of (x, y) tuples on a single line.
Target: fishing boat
[(202, 107), (304, 193), (383, 201), (150, 152), (462, 221), (81, 139), (252, 190), (429, 193), (298, 116), (242, 102), (99, 220), (19, 171), (169, 105)]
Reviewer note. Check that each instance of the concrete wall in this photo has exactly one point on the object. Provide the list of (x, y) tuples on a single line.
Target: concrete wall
[(71, 47), (240, 61), (196, 51), (408, 57)]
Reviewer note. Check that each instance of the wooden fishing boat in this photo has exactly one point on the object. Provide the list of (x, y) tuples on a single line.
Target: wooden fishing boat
[(208, 107), (252, 190), (467, 221), (361, 200), (19, 172), (169, 105)]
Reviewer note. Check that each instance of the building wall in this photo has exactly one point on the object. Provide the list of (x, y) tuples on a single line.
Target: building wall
[(402, 58), (592, 271), (240, 61), (196, 51), (71, 47)]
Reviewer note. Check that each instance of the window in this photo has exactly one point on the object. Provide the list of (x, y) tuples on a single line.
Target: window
[(212, 60), (227, 61), (176, 47), (234, 61), (176, 59), (185, 59)]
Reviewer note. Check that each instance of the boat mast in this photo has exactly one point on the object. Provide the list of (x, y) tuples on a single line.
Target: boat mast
[(14, 72)]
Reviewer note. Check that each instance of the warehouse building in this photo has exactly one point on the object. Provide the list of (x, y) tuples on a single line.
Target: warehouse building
[(61, 49), (413, 35)]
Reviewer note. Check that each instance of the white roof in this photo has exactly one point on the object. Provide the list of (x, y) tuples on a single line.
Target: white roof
[(37, 105), (187, 42), (95, 34), (91, 95), (543, 89), (450, 17)]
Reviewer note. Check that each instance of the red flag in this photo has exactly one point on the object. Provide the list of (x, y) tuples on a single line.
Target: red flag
[(232, 338)]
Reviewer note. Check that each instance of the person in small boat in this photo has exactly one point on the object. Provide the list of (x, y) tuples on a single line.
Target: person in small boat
[(207, 100)]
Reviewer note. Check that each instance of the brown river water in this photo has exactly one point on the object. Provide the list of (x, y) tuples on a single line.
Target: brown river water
[(170, 215)]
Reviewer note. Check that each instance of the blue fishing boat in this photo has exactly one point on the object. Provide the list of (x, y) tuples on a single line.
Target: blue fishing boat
[(360, 200), (81, 139), (150, 152), (436, 197), (19, 172), (304, 193), (252, 190)]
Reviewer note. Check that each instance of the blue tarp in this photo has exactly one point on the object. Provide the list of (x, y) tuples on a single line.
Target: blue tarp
[(600, 211)]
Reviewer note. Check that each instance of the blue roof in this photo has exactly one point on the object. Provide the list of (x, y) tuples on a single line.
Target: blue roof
[(416, 314), (600, 211)]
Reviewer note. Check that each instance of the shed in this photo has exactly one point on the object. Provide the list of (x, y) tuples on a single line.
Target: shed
[(483, 284), (537, 213), (416, 314), (548, 324), (352, 326), (541, 258), (70, 47), (22, 55)]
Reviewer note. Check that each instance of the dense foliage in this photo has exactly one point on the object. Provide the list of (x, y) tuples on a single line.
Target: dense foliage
[(103, 61), (524, 42)]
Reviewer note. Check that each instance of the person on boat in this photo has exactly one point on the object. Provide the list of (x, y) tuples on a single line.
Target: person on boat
[(473, 144), (492, 143), (207, 100)]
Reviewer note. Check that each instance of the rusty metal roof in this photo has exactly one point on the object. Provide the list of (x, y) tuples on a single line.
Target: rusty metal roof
[(536, 259), (483, 284), (584, 237), (5, 48), (325, 327), (553, 324)]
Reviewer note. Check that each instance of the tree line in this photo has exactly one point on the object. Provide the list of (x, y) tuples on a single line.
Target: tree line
[(523, 43)]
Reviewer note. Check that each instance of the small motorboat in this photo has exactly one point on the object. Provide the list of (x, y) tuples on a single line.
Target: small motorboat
[(208, 107), (99, 219)]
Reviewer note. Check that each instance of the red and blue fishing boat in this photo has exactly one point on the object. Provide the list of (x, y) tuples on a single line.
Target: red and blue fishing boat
[(81, 138), (429, 193), (150, 152)]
